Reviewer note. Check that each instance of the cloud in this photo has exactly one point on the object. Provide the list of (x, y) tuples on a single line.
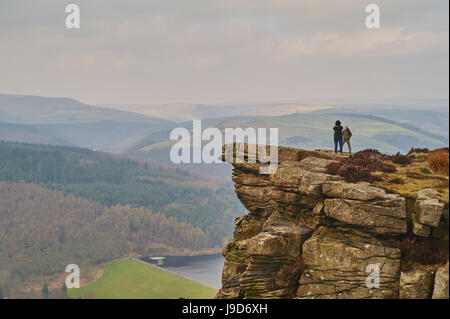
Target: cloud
[(204, 51), (384, 42)]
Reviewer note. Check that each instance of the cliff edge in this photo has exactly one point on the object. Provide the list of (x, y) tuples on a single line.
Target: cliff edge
[(309, 234)]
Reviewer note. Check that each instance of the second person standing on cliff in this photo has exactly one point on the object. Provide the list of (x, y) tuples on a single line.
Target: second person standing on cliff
[(346, 135), (338, 136)]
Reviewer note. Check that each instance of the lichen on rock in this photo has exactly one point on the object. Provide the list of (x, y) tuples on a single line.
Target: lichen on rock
[(309, 234)]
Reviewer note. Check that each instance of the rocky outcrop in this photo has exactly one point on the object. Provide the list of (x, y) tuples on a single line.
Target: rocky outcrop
[(428, 209), (441, 283), (309, 234), (416, 284), (336, 266)]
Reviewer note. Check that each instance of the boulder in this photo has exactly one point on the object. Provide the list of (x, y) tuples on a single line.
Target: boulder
[(420, 229), (429, 211), (266, 277), (416, 284), (423, 194), (441, 283), (315, 164), (299, 180), (337, 267), (279, 239), (359, 191), (385, 217)]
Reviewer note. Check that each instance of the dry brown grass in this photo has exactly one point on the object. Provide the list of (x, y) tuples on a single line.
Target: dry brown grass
[(438, 161), (432, 252), (401, 159)]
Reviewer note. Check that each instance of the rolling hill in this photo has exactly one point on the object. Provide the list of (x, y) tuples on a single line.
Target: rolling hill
[(306, 130), (29, 109), (185, 112), (65, 121), (26, 133)]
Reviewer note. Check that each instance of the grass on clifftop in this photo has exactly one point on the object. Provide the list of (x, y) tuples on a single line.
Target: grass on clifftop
[(128, 279), (401, 174)]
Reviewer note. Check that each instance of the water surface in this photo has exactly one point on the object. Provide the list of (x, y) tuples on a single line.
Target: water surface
[(203, 268)]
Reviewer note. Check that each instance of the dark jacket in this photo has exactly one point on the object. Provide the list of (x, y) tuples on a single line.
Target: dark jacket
[(338, 131)]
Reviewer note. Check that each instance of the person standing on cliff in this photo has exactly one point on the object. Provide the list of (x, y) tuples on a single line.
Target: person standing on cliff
[(338, 136), (346, 135)]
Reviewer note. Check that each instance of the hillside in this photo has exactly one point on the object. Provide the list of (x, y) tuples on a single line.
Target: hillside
[(325, 225), (65, 121), (57, 201), (143, 131), (25, 133), (111, 180), (28, 109), (185, 112), (42, 231), (306, 130)]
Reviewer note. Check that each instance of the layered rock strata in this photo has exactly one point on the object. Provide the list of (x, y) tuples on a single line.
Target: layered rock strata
[(309, 234)]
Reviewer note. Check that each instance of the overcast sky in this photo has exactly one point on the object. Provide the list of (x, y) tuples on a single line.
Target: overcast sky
[(224, 51)]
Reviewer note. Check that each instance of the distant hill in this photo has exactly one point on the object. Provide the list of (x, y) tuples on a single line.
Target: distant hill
[(29, 109), (307, 130), (65, 121), (435, 122), (142, 133), (185, 112), (25, 133)]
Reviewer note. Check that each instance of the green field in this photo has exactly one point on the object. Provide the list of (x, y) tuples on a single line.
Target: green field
[(128, 279)]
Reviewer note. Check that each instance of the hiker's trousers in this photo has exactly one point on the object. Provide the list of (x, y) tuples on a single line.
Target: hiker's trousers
[(338, 140), (348, 144)]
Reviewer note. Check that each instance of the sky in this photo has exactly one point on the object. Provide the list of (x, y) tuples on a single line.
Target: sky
[(224, 51)]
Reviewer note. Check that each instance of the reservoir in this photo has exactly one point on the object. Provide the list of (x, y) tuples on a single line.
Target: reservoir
[(203, 268)]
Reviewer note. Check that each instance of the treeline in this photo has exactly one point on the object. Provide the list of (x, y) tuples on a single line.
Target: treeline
[(42, 231), (52, 164), (110, 181)]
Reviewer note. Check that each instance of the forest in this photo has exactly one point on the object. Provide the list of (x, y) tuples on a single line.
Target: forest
[(61, 205)]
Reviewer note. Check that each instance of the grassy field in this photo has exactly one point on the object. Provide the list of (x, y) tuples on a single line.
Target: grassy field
[(128, 279)]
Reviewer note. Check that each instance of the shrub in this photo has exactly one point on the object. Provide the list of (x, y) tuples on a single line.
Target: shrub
[(333, 168), (397, 180), (415, 175), (360, 166), (354, 173), (387, 168), (438, 161), (372, 153), (425, 251), (418, 150), (401, 159)]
